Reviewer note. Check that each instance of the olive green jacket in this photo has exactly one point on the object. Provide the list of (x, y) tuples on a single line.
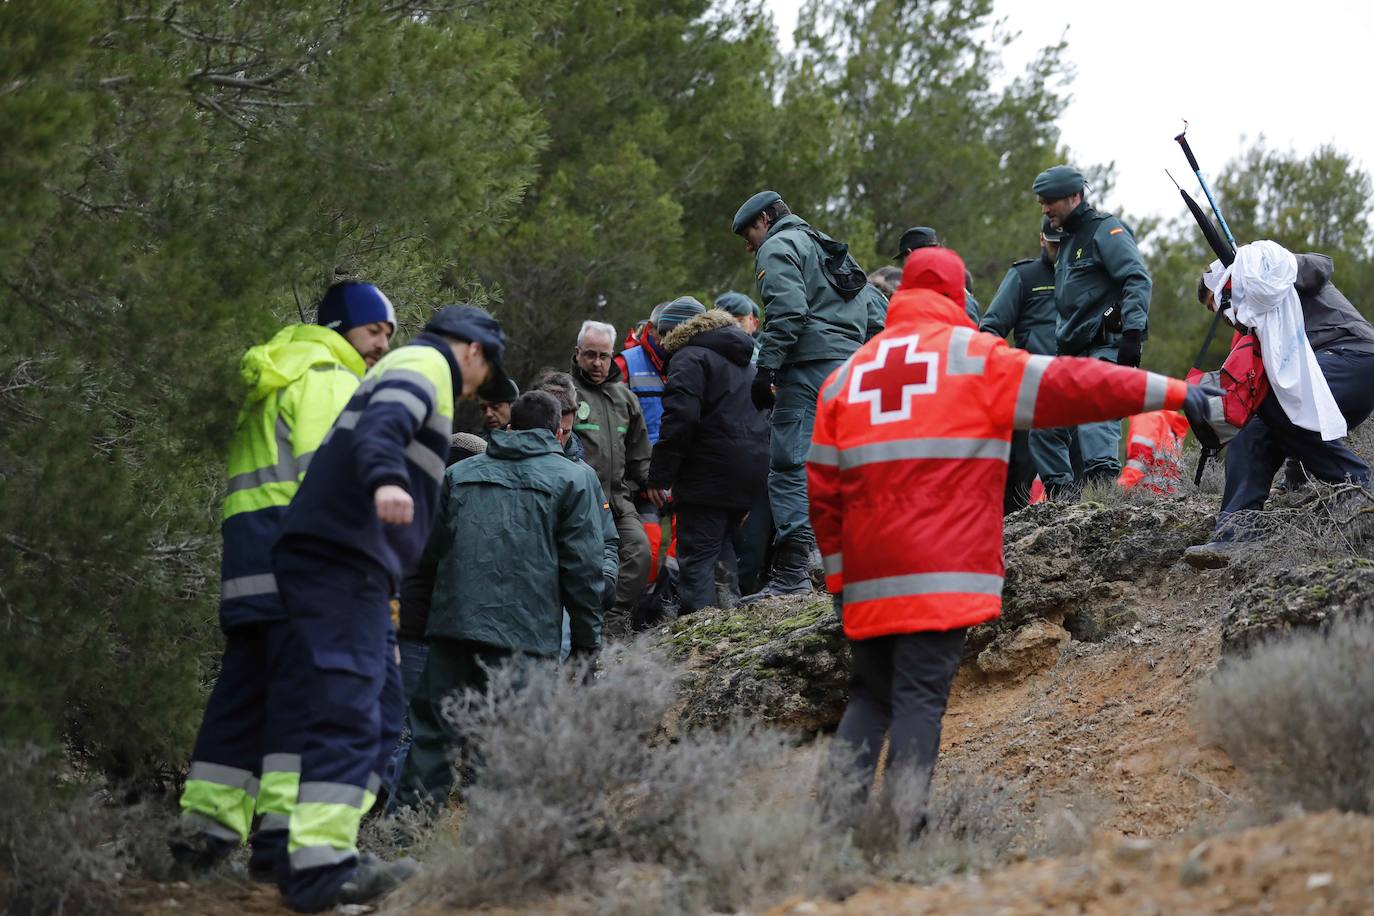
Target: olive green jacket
[(804, 318), (518, 538), (1024, 304), (1098, 266), (614, 437)]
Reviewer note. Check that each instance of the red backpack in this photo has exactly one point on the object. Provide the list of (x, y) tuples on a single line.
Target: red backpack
[(1243, 385)]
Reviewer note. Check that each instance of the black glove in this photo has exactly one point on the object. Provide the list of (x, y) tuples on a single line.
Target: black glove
[(1195, 408), (837, 605), (762, 390), (1128, 351), (582, 664), (608, 584)]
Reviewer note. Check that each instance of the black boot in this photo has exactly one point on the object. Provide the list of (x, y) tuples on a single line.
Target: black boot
[(791, 573)]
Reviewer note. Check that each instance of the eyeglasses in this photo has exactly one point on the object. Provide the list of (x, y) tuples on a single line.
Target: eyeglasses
[(594, 356)]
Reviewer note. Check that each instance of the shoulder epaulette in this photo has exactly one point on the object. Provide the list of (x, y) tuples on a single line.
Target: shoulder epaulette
[(1024, 261)]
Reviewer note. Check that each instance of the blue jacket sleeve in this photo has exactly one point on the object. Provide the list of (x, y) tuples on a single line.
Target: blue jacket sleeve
[(385, 430)]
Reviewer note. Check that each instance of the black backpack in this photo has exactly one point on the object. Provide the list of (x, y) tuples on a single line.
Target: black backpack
[(842, 272)]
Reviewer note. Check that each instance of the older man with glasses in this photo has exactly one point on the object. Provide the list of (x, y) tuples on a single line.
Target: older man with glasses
[(610, 424)]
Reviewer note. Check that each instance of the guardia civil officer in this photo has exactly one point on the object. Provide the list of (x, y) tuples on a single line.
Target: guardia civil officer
[(1023, 306), (818, 308), (246, 762), (358, 524), (1102, 292), (918, 237)]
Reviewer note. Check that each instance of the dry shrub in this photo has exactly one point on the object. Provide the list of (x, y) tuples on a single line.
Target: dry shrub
[(1297, 716), (67, 849), (579, 795)]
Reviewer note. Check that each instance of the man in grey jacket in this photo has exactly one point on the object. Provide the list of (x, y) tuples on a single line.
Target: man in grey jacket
[(818, 308), (1344, 343)]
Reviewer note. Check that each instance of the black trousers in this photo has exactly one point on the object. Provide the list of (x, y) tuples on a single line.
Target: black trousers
[(705, 534), (452, 666), (898, 688)]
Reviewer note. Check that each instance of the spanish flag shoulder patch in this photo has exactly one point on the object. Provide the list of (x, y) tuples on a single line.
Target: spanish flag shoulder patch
[(761, 273)]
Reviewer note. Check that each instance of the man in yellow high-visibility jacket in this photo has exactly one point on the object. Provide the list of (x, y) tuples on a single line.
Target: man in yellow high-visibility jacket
[(247, 756)]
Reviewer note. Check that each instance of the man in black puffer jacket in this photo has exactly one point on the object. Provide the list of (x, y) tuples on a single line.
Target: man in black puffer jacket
[(712, 449)]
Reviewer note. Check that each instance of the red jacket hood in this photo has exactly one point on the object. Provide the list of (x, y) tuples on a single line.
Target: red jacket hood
[(938, 269)]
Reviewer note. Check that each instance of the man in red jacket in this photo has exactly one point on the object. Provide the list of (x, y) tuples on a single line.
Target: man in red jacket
[(907, 467)]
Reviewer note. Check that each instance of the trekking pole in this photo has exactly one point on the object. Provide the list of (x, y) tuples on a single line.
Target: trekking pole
[(1182, 141), (1225, 250)]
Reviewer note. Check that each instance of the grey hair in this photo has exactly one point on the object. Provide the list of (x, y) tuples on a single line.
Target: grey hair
[(597, 327)]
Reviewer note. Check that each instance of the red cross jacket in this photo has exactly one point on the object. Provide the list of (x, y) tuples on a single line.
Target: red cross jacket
[(909, 455)]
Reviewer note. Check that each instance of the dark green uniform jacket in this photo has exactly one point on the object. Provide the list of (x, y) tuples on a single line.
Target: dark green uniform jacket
[(1099, 265), (1024, 304), (518, 539), (804, 318), (611, 426)]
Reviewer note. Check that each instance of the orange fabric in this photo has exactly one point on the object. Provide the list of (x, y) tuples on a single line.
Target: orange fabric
[(1154, 451), (654, 530), (909, 456)]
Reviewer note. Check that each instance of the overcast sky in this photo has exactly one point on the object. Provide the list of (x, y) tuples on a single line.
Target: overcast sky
[(1301, 75)]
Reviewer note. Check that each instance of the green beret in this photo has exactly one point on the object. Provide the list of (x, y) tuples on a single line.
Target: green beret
[(752, 208), (681, 309), (1058, 181), (1050, 233), (913, 238)]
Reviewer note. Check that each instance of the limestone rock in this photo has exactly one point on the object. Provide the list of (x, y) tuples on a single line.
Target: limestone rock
[(1071, 564), (1034, 647), (1302, 597)]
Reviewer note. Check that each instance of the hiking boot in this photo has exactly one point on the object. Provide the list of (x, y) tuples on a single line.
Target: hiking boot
[(791, 573), (195, 845), (374, 878), (1212, 555)]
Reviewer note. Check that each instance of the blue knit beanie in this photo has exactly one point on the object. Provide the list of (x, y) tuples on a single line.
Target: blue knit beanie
[(350, 304)]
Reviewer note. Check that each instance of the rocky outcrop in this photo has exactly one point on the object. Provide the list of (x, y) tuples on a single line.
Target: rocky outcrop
[(1070, 570), (783, 661), (1301, 597), (1072, 565)]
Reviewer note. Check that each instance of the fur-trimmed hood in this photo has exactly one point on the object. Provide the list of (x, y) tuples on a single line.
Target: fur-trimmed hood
[(679, 336)]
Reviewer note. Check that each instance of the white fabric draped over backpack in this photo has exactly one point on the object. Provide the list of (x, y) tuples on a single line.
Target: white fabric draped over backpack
[(1263, 298)]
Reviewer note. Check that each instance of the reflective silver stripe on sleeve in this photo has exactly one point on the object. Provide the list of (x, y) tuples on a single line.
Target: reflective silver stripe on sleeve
[(411, 402), (425, 460), (320, 856), (832, 391), (348, 419), (330, 793), (1137, 464), (904, 449), (247, 586), (960, 361), (1143, 440), (281, 763), (1024, 417), (418, 379), (222, 775), (1156, 390), (826, 455), (440, 424), (832, 563), (923, 584)]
